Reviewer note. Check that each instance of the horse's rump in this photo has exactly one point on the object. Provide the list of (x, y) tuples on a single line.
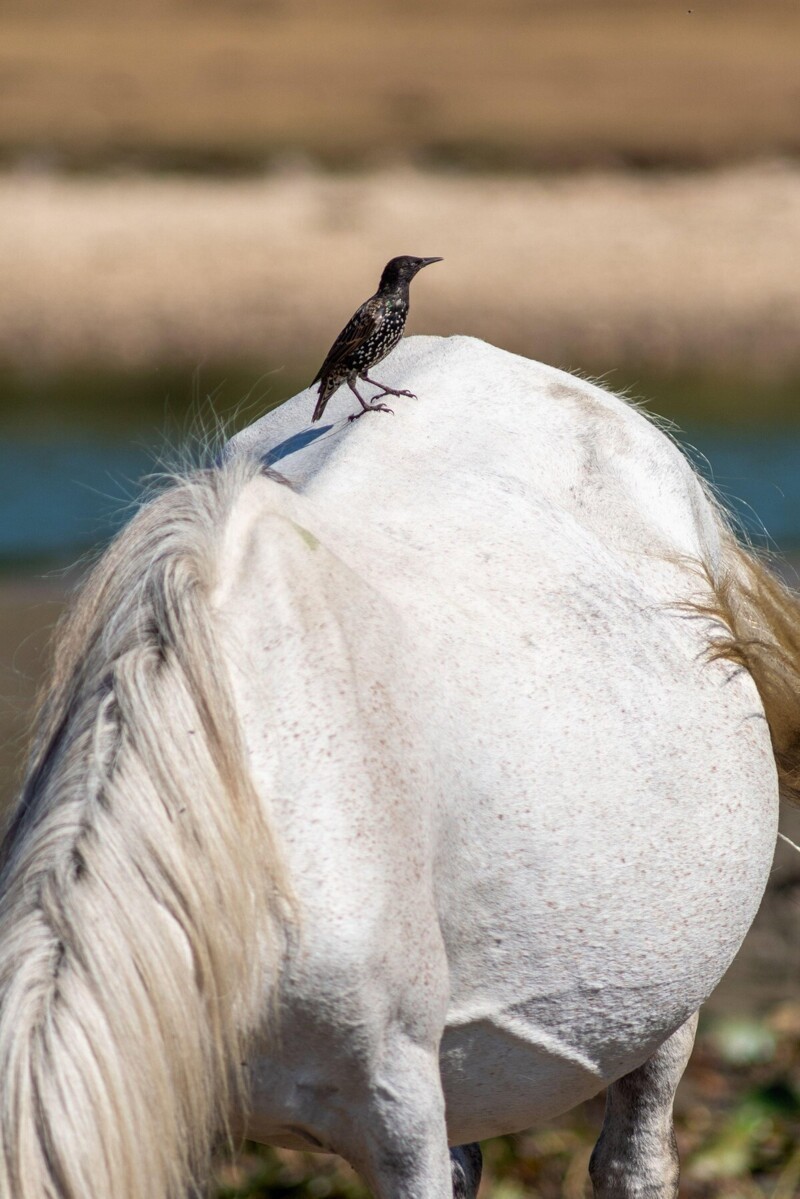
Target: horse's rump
[(143, 892)]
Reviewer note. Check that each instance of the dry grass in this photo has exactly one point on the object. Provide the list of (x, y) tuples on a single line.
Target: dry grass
[(483, 83), (668, 272)]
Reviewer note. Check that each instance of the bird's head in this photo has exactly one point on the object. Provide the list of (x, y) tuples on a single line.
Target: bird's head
[(400, 271)]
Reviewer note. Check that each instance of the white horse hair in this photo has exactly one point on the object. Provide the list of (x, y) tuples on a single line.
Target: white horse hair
[(402, 805)]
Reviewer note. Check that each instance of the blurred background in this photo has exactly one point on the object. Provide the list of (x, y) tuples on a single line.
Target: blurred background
[(196, 194)]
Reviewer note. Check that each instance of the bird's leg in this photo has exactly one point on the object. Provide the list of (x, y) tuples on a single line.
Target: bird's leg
[(387, 391), (365, 407)]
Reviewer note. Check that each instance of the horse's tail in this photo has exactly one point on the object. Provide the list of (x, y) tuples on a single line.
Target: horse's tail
[(141, 890), (761, 618)]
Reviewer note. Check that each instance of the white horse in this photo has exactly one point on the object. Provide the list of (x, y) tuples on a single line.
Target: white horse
[(399, 784)]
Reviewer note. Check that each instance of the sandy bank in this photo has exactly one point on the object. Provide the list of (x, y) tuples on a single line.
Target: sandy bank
[(590, 271)]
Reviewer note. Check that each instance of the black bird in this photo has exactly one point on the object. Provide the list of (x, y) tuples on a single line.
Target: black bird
[(370, 334)]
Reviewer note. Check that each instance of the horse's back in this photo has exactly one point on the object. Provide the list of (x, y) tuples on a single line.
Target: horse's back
[(586, 802)]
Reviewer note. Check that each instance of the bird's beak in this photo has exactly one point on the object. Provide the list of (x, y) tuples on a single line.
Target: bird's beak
[(428, 261)]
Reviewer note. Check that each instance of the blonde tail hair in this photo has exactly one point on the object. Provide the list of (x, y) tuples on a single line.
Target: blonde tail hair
[(142, 898), (761, 618)]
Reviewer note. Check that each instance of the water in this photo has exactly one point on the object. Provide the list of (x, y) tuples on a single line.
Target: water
[(757, 475), (57, 499), (60, 498), (74, 444)]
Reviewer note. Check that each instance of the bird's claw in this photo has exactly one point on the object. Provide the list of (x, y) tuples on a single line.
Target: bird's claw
[(392, 391), (371, 408)]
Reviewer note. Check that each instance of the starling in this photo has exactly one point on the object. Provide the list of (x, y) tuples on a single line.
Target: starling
[(370, 334)]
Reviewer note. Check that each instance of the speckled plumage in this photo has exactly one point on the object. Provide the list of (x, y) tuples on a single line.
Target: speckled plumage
[(371, 333)]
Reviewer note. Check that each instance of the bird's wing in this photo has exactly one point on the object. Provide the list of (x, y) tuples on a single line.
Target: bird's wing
[(362, 324)]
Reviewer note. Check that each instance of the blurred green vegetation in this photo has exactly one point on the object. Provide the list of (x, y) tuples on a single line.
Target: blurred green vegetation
[(720, 400), (737, 1118), (150, 403)]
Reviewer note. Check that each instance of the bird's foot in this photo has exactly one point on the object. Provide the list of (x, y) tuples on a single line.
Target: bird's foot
[(392, 391), (370, 408)]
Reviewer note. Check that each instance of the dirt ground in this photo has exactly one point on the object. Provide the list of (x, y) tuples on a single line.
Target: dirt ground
[(590, 271)]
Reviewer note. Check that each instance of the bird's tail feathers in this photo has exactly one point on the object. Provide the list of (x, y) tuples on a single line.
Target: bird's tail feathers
[(326, 390)]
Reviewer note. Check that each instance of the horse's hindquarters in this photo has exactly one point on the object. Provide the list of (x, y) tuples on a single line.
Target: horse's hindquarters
[(597, 888), (580, 808)]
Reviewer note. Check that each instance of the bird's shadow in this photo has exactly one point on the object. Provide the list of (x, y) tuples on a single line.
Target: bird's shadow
[(291, 445)]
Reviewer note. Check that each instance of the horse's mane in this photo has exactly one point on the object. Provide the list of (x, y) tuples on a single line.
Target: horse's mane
[(142, 893)]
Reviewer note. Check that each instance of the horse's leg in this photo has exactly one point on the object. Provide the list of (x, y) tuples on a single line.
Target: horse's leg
[(397, 1133), (636, 1156), (466, 1162)]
